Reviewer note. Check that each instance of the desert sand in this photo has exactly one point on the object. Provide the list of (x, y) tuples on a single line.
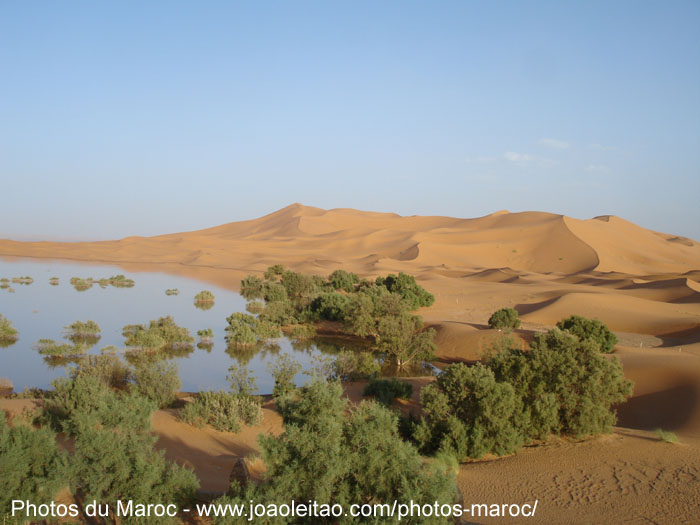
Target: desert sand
[(643, 284)]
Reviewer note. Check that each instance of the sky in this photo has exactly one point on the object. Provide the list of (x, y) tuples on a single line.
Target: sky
[(141, 118)]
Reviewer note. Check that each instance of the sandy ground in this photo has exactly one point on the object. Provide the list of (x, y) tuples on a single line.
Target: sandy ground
[(645, 285)]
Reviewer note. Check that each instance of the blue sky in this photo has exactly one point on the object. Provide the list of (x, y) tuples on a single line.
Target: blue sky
[(151, 117)]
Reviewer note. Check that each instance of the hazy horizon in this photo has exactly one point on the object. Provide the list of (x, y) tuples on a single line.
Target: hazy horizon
[(145, 119)]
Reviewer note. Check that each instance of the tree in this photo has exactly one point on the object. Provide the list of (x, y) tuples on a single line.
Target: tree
[(407, 287), (331, 456), (342, 280), (504, 318), (469, 414), (403, 339), (590, 329)]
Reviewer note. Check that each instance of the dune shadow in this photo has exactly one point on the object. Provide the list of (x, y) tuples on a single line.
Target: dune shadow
[(526, 308), (671, 409)]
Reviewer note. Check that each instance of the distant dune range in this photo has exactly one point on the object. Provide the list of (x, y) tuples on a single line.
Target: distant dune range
[(645, 285)]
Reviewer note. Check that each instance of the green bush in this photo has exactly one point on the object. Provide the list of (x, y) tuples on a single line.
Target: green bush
[(505, 318), (386, 390), (205, 296), (158, 382), (590, 329), (469, 414), (342, 280), (205, 334), (304, 331), (278, 313), (52, 348), (223, 411), (330, 455), (172, 291), (252, 287), (406, 286), (402, 339), (7, 331), (255, 307), (666, 436), (31, 464), (242, 382), (331, 306), (108, 368), (355, 366), (163, 332), (284, 370), (566, 385), (244, 329)]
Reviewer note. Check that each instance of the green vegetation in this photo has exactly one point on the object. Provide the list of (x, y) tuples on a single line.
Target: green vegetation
[(118, 281), (378, 310), (158, 335), (386, 390), (158, 382), (6, 384), (518, 396), (505, 318), (222, 410), (284, 370), (87, 333), (205, 335), (205, 296), (172, 291), (591, 330), (303, 331), (255, 307), (32, 466), (8, 333), (666, 436), (333, 455), (23, 280), (54, 281), (355, 366), (245, 330), (53, 348)]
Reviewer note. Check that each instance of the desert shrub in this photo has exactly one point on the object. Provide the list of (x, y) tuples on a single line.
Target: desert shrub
[(114, 459), (504, 318), (172, 291), (7, 331), (222, 410), (566, 385), (244, 329), (342, 280), (274, 272), (590, 329), (355, 366), (329, 455), (303, 331), (242, 383), (469, 414), (255, 307), (54, 281), (386, 390), (404, 341), (297, 285), (205, 296), (666, 436), (158, 334), (331, 306), (252, 287), (284, 369), (205, 333), (158, 382), (31, 464), (108, 368), (406, 286), (278, 313), (52, 348), (275, 293)]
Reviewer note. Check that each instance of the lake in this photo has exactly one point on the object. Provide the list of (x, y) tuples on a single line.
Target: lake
[(42, 310)]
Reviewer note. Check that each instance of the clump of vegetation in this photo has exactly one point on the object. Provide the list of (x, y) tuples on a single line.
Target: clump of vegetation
[(120, 281), (23, 280), (4, 283), (303, 331), (255, 307), (87, 333), (204, 300), (386, 390), (504, 319), (33, 468), (330, 454), (107, 368), (157, 335), (283, 370), (378, 310), (355, 366), (517, 396), (245, 330), (158, 382), (172, 291), (8, 333), (6, 384), (205, 335), (81, 284), (222, 410), (54, 281), (666, 436), (53, 348), (591, 330)]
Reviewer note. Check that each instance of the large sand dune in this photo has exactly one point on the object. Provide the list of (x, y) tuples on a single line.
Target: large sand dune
[(645, 285)]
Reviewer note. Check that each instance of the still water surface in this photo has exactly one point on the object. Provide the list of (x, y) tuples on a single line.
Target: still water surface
[(41, 310)]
